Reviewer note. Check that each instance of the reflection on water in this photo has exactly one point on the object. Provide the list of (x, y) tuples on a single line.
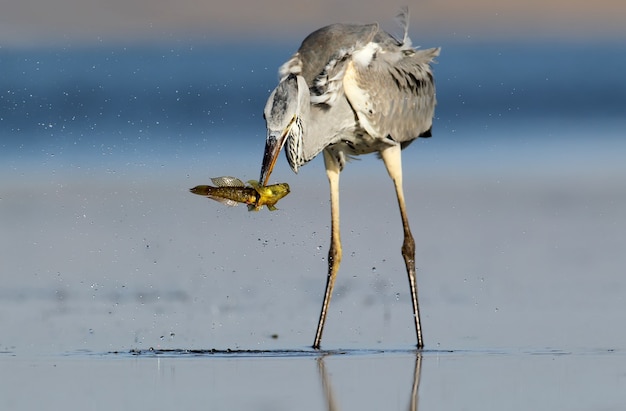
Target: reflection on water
[(314, 381), (329, 396), (292, 367), (417, 373)]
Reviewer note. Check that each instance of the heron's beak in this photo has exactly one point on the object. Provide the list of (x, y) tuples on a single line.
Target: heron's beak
[(273, 144)]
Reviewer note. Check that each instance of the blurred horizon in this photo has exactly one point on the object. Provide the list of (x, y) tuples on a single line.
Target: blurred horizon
[(32, 23), (85, 81)]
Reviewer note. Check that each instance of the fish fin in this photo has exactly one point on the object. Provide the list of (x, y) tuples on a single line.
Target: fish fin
[(224, 201), (271, 207), (254, 184), (252, 207), (227, 181)]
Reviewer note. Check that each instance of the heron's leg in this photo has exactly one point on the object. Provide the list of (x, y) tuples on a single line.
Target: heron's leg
[(393, 161), (334, 253)]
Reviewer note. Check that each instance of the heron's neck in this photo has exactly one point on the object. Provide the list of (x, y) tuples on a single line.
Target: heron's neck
[(322, 124)]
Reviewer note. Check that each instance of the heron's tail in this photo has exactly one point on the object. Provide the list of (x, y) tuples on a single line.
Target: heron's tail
[(427, 56)]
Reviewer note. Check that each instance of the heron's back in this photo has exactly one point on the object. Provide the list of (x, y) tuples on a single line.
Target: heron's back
[(320, 46)]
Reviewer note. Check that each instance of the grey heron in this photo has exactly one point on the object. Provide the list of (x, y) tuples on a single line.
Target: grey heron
[(352, 89)]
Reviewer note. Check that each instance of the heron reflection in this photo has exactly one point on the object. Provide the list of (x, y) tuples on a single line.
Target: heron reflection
[(329, 395)]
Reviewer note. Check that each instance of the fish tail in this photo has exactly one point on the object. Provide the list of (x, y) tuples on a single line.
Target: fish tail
[(201, 190)]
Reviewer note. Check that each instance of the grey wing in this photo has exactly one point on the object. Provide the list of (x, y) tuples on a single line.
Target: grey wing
[(325, 46), (392, 90), (327, 86)]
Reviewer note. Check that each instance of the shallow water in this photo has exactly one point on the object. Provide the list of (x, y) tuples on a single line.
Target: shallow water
[(521, 294), (117, 283), (336, 381)]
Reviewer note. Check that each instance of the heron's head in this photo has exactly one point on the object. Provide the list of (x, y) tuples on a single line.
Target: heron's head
[(284, 112)]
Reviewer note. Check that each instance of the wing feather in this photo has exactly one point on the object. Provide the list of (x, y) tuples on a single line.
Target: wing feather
[(392, 91), (328, 85)]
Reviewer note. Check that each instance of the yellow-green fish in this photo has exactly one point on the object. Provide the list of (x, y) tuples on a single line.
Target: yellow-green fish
[(231, 191)]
